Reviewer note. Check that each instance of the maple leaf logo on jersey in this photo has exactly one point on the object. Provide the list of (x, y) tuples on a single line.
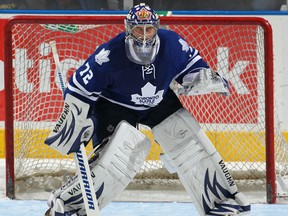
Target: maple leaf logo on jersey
[(185, 46), (102, 56), (149, 96)]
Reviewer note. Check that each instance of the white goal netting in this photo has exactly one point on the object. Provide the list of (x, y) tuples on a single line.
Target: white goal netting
[(236, 125)]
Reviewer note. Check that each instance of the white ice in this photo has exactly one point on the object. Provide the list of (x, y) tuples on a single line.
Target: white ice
[(136, 203)]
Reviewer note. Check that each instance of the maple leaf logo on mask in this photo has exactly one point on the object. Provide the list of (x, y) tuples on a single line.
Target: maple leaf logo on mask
[(102, 56), (149, 96)]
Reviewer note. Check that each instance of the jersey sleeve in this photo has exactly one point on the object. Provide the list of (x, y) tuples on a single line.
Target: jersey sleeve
[(188, 60), (91, 78)]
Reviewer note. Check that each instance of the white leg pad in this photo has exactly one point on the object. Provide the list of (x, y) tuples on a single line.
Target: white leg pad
[(200, 168), (117, 165)]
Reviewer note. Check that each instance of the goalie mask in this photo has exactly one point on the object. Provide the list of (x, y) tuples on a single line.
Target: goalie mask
[(142, 42)]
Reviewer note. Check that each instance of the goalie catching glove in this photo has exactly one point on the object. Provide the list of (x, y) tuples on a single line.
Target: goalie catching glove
[(72, 128), (204, 82)]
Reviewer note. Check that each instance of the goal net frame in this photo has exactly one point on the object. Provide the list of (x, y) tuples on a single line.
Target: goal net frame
[(105, 20)]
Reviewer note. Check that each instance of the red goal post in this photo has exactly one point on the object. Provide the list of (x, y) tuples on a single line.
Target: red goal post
[(241, 126)]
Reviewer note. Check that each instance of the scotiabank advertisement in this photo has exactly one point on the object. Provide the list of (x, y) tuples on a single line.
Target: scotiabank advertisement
[(236, 51), (231, 50)]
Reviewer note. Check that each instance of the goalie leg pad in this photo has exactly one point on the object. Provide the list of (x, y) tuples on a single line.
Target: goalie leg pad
[(200, 168), (115, 167)]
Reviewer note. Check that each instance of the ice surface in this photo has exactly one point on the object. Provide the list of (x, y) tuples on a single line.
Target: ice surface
[(135, 203)]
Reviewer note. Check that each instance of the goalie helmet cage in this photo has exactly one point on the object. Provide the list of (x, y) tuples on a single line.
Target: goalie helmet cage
[(241, 126)]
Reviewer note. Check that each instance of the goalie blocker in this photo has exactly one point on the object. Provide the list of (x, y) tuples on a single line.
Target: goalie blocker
[(203, 173), (73, 127)]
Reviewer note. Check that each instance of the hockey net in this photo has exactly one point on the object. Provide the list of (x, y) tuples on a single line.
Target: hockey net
[(243, 127)]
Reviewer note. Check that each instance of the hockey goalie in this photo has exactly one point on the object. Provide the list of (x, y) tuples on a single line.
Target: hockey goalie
[(126, 82)]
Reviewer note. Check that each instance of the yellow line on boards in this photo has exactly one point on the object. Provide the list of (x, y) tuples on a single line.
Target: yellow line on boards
[(233, 146)]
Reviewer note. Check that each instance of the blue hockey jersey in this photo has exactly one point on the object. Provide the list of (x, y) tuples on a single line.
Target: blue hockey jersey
[(109, 74)]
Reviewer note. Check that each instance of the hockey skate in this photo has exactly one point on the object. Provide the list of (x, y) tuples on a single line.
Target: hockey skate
[(49, 213), (56, 208)]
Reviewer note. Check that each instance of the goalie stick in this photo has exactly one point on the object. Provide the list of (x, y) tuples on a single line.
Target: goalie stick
[(80, 157)]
